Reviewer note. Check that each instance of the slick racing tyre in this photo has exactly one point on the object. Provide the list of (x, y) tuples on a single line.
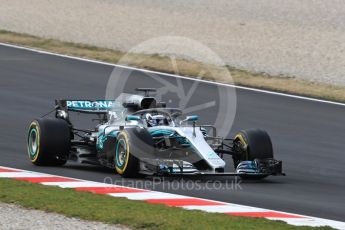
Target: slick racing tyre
[(252, 144), (48, 142), (130, 145), (125, 163)]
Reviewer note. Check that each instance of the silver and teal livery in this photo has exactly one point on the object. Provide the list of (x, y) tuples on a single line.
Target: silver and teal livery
[(138, 135)]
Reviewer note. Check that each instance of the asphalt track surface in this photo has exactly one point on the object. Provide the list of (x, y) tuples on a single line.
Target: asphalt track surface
[(307, 135)]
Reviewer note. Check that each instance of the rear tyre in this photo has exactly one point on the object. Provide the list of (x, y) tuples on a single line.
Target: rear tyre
[(252, 144), (48, 142)]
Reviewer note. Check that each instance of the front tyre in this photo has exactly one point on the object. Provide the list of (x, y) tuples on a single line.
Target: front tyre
[(48, 142), (250, 145), (125, 163)]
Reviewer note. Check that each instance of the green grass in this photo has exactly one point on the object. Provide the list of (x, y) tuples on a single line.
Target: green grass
[(190, 68), (135, 214)]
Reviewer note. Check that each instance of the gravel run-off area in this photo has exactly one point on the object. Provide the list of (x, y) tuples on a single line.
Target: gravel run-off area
[(19, 218), (303, 38)]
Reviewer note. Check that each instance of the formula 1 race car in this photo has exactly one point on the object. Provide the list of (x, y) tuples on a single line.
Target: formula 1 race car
[(137, 135)]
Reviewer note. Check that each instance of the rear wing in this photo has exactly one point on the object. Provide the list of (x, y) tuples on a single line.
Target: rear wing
[(124, 101), (85, 106)]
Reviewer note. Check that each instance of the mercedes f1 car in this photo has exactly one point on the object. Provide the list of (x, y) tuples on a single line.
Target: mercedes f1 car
[(138, 135)]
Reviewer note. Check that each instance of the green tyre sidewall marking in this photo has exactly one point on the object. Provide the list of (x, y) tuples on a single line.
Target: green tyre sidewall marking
[(33, 153)]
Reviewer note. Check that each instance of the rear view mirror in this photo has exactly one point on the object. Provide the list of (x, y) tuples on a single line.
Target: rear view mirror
[(192, 118)]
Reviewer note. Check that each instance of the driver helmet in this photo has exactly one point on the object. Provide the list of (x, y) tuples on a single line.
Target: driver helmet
[(155, 120)]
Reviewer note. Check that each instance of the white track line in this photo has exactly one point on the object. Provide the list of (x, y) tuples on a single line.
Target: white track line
[(22, 174), (76, 184), (173, 75), (218, 207), (313, 222), (146, 195), (224, 208)]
